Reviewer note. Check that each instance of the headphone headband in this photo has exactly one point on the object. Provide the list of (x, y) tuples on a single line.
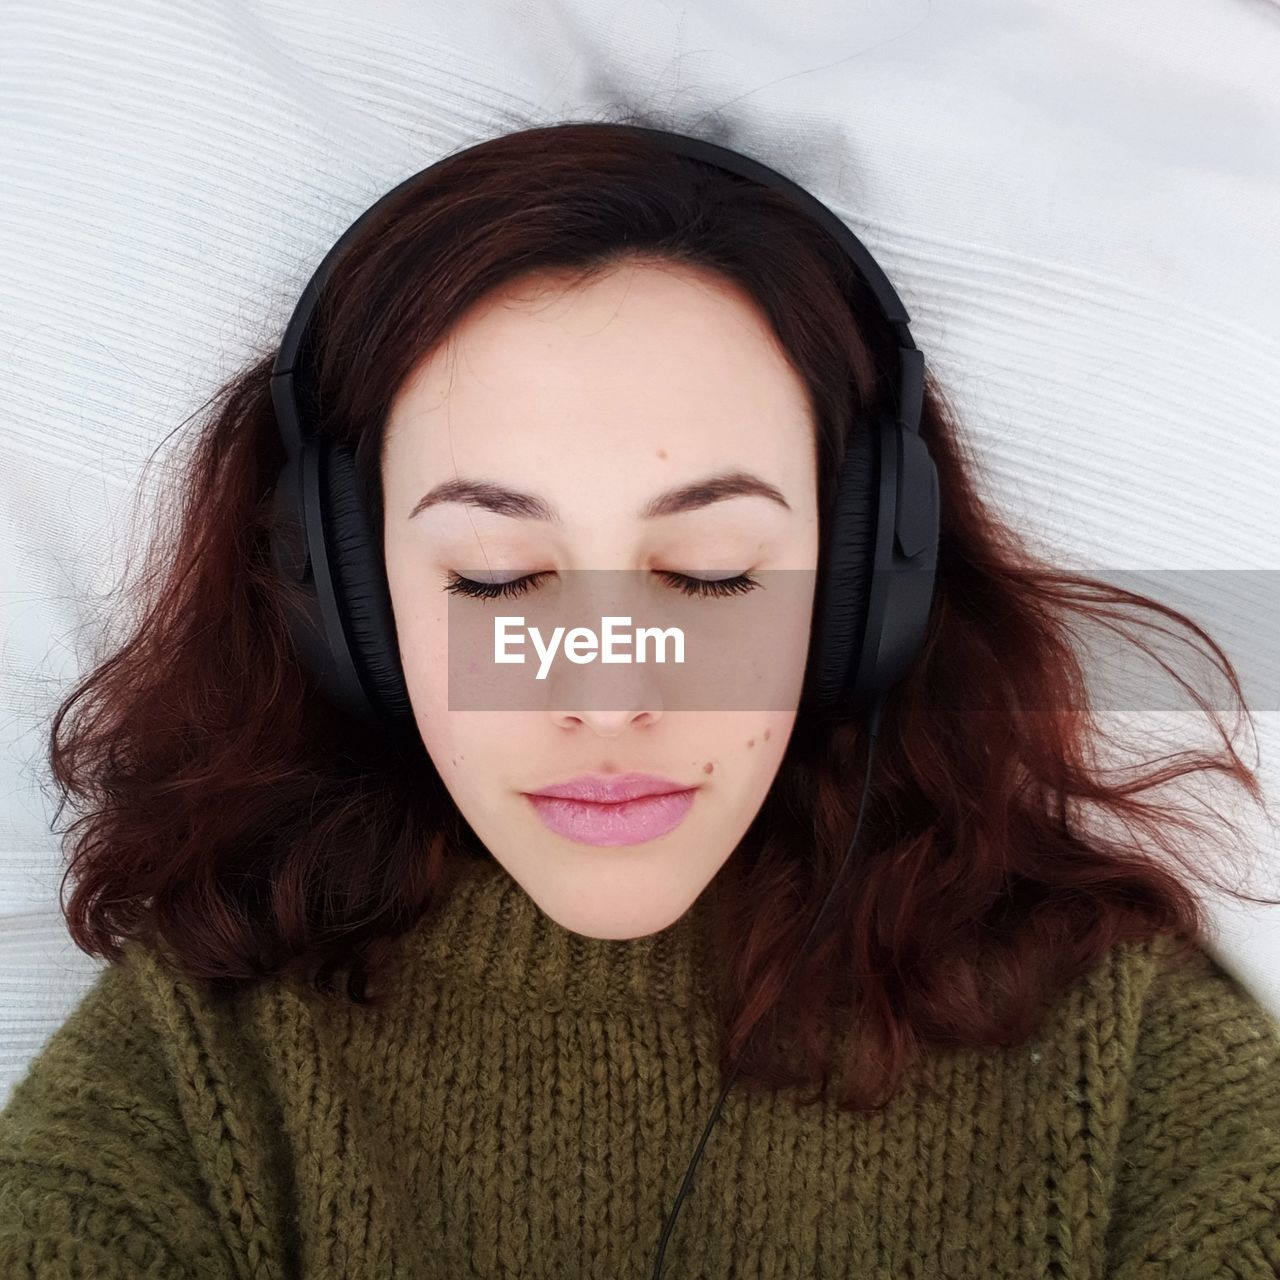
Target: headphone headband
[(909, 392)]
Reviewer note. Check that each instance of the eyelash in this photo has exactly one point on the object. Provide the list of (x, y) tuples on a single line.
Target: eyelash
[(458, 585)]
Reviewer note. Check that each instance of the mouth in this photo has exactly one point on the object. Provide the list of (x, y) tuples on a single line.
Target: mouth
[(606, 815)]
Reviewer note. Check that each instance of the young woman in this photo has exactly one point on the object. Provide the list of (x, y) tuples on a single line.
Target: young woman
[(989, 1043)]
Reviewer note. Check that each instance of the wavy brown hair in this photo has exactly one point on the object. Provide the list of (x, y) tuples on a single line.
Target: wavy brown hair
[(246, 828)]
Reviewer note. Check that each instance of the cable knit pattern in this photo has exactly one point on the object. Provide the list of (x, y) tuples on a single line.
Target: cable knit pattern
[(527, 1101)]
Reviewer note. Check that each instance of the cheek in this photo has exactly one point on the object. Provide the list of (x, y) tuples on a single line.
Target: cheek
[(422, 637), (763, 747), (464, 753), (750, 752)]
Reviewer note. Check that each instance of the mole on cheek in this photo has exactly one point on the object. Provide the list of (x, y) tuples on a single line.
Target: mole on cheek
[(662, 453), (706, 768)]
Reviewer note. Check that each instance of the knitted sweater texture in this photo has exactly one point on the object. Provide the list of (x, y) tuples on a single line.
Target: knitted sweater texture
[(527, 1101)]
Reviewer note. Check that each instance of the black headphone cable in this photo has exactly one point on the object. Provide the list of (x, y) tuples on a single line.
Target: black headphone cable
[(873, 729)]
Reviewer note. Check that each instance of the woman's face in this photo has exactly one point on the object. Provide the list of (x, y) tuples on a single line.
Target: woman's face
[(596, 399)]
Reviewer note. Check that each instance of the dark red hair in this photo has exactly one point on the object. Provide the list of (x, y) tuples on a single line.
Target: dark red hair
[(243, 826)]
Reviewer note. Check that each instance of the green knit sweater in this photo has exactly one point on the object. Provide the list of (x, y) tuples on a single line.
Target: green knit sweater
[(527, 1102)]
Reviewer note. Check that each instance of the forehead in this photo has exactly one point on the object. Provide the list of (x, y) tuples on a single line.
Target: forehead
[(643, 347)]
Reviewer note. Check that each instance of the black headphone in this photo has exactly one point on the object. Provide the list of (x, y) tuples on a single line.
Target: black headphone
[(877, 573)]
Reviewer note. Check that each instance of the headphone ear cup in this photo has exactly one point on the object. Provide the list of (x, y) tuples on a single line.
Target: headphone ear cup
[(360, 580), (841, 620)]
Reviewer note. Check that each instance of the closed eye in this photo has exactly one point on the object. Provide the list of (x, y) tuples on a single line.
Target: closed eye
[(458, 585)]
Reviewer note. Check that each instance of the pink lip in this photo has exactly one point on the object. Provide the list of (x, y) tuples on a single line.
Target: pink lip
[(602, 788), (631, 822), (611, 810)]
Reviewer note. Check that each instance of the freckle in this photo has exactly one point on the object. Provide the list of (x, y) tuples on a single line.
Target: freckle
[(662, 453), (751, 742), (706, 768)]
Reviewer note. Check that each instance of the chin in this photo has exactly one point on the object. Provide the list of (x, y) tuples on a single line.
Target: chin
[(606, 925)]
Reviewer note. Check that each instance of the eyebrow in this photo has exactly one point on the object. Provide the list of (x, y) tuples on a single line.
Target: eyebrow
[(528, 506)]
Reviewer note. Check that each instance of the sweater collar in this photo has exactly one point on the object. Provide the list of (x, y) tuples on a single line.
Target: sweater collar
[(488, 937)]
